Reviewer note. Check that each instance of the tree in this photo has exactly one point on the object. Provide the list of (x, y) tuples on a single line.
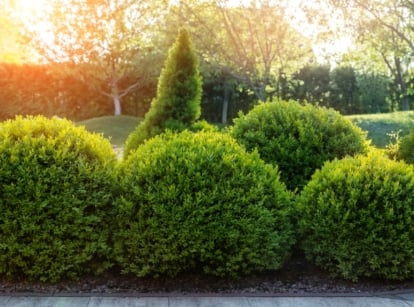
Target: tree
[(224, 96), (385, 26), (31, 88), (374, 93), (177, 104), (311, 84), (251, 41), (344, 90), (113, 37)]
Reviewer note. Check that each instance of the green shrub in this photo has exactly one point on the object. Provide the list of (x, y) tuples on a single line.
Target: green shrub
[(198, 201), (356, 217), (392, 150), (297, 138), (178, 102), (203, 125), (406, 148), (55, 187)]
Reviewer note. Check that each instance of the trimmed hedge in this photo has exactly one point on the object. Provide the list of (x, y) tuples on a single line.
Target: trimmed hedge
[(55, 184), (198, 201), (298, 138), (356, 218)]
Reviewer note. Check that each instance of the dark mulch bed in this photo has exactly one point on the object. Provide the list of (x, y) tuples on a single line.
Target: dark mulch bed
[(298, 277)]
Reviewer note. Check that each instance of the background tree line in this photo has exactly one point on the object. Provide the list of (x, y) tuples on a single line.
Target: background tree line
[(33, 89), (105, 58), (43, 89)]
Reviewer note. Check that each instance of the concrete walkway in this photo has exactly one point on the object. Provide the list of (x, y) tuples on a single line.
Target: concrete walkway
[(400, 299)]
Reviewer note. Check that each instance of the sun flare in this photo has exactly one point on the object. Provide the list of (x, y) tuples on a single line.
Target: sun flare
[(33, 16), (19, 14), (30, 6)]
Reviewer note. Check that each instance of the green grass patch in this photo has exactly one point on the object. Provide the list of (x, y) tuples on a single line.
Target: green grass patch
[(380, 126), (115, 128)]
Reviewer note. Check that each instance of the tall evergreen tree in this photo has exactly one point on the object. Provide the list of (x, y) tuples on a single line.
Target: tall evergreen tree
[(178, 102)]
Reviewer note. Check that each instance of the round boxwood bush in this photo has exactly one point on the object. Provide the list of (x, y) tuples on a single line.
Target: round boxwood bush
[(199, 201), (406, 147), (297, 138), (356, 217), (55, 187)]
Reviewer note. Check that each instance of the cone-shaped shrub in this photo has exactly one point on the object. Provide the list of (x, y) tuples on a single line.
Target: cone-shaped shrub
[(55, 193), (177, 104), (356, 218), (198, 201), (297, 138)]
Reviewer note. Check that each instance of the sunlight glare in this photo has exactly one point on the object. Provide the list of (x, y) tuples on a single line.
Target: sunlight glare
[(339, 44), (31, 14)]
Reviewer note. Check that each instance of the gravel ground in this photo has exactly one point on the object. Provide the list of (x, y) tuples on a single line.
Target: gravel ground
[(297, 278)]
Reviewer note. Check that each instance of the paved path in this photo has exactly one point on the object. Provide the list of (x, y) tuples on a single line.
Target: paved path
[(397, 300)]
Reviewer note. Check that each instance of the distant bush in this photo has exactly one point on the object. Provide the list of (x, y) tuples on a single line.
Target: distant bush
[(392, 150), (297, 138), (198, 201), (406, 148), (401, 147), (55, 187), (356, 218)]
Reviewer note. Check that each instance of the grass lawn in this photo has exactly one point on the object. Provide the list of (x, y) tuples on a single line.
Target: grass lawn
[(115, 128), (379, 126)]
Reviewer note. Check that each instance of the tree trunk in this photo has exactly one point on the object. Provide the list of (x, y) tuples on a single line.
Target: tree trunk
[(225, 104), (117, 106), (405, 106), (117, 100)]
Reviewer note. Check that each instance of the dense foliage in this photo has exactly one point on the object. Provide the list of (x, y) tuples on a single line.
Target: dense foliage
[(406, 148), (177, 105), (198, 201), (297, 138), (55, 186), (51, 90), (356, 217), (342, 88)]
